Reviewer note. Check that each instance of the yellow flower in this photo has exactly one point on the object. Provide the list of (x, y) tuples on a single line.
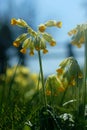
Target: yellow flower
[(60, 71), (33, 40), (16, 43), (52, 43), (50, 23), (61, 89), (59, 24), (42, 28), (74, 31), (48, 92), (37, 48), (82, 40), (78, 35), (13, 21), (31, 52), (45, 51), (47, 37), (23, 50), (73, 82), (19, 22), (80, 76)]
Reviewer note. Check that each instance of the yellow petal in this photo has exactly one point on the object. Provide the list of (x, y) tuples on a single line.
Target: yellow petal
[(42, 28), (60, 71), (45, 51), (59, 24), (16, 43), (31, 53), (52, 43), (13, 21), (23, 50)]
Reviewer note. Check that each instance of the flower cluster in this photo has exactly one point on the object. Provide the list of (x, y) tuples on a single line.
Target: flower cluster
[(33, 40), (69, 72), (78, 35)]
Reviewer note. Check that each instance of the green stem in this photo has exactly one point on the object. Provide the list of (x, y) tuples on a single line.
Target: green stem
[(85, 74), (42, 78)]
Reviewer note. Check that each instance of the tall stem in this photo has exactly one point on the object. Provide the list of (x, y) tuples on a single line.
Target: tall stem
[(42, 79)]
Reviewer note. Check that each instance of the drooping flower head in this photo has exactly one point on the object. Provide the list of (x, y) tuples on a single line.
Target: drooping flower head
[(33, 40), (69, 72), (78, 35)]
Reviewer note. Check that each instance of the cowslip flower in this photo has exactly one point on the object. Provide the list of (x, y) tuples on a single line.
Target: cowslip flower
[(78, 35), (69, 72), (42, 27), (59, 24), (34, 40), (19, 22), (49, 39), (52, 23), (19, 39), (16, 43), (23, 50)]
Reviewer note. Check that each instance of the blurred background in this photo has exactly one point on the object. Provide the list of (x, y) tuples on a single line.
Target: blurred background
[(35, 12)]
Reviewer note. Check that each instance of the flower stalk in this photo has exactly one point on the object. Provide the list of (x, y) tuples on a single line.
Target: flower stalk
[(42, 78)]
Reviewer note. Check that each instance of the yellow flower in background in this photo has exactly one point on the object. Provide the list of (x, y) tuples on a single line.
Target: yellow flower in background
[(35, 40), (72, 32), (78, 35), (48, 92), (69, 72)]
